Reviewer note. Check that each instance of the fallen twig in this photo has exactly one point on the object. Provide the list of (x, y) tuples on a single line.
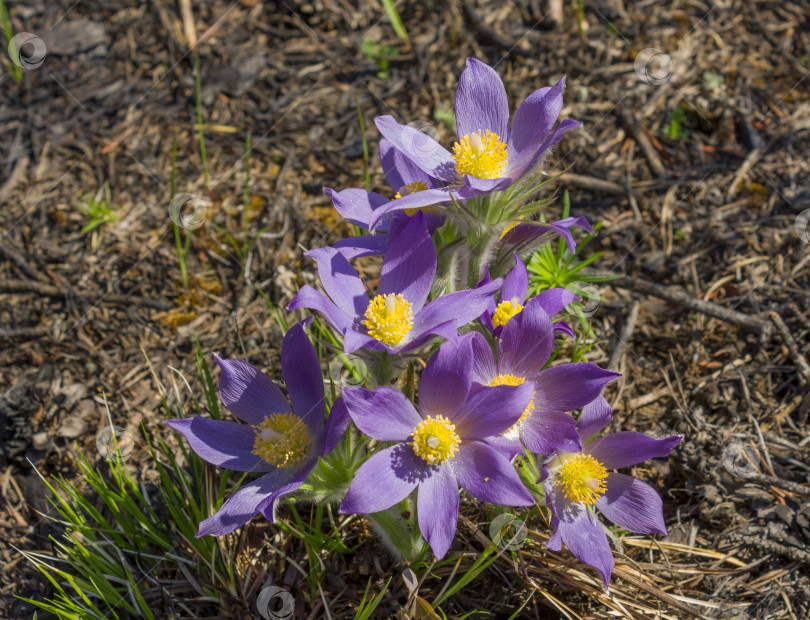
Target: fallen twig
[(790, 342), (624, 338), (26, 286), (749, 323)]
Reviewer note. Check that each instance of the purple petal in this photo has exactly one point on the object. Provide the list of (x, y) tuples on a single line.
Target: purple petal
[(446, 380), (581, 532), (516, 283), (563, 328), (248, 393), (596, 415), (544, 432), (353, 340), (398, 169), (385, 479), (362, 245), (526, 342), (484, 369), (340, 281), (384, 414), (529, 158), (417, 337), (629, 448), (356, 205), (535, 234), (510, 448), (221, 443), (570, 386), (481, 101), (555, 300), (487, 474), (410, 263), (437, 509), (475, 186), (492, 410), (308, 297), (417, 200), (336, 425), (536, 116), (420, 148), (633, 505), (302, 376), (243, 505), (461, 307), (269, 505)]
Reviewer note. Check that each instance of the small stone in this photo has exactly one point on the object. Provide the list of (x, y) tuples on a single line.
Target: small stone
[(41, 441), (72, 427)]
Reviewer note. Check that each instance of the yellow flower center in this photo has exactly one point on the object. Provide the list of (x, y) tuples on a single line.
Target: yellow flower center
[(388, 318), (481, 155), (435, 440), (582, 478), (412, 188), (512, 431), (505, 311), (282, 439)]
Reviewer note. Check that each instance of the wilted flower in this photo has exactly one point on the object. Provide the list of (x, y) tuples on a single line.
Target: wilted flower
[(396, 319), (579, 481), (438, 448), (524, 347), (281, 441), (488, 155)]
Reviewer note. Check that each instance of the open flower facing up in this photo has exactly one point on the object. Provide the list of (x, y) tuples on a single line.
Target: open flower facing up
[(279, 440), (358, 205), (489, 154), (438, 448), (396, 319), (579, 481), (512, 299), (524, 347)]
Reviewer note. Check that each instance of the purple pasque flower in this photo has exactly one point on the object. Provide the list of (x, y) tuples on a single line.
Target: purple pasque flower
[(439, 447), (512, 298), (358, 205), (579, 481), (397, 318), (281, 441), (524, 347), (524, 236), (489, 155)]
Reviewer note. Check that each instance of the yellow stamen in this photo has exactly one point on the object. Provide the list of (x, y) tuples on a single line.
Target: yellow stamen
[(282, 439), (412, 188), (509, 227), (512, 431), (481, 155), (505, 311), (389, 318), (435, 440), (583, 478)]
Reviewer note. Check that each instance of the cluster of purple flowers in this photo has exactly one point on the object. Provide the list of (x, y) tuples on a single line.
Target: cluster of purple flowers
[(488, 393)]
